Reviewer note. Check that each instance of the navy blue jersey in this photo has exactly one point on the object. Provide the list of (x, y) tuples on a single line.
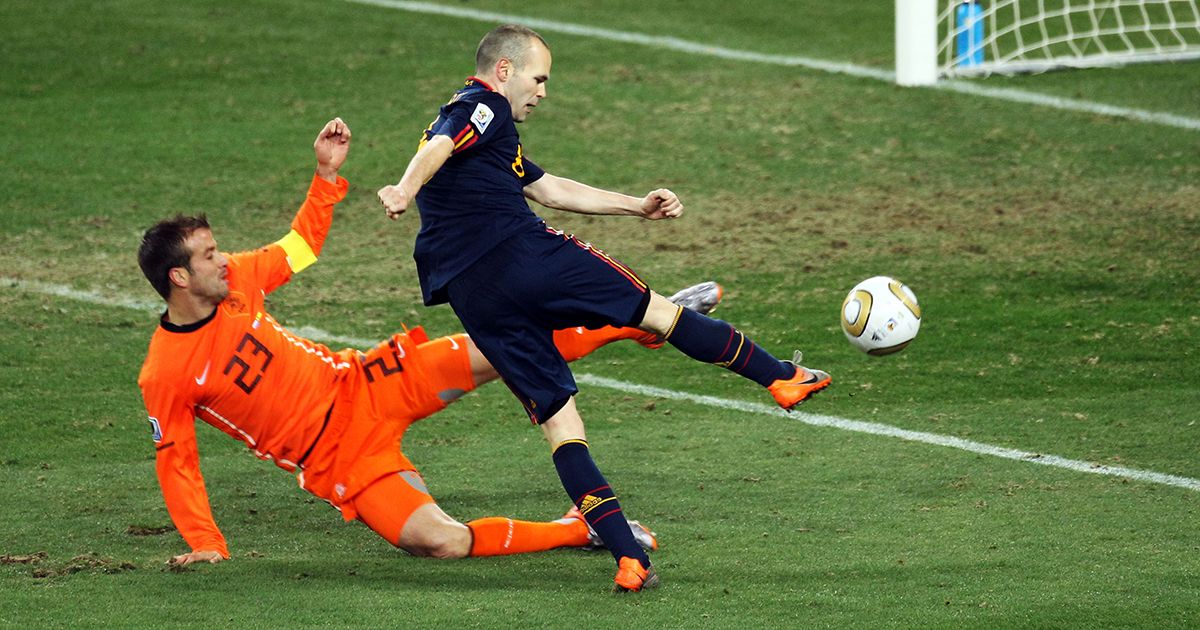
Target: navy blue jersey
[(476, 200)]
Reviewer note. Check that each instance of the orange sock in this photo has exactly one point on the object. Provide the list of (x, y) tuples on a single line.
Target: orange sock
[(576, 343), (499, 536)]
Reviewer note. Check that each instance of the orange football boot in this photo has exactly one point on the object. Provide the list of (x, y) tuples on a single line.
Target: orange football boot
[(633, 577), (793, 391)]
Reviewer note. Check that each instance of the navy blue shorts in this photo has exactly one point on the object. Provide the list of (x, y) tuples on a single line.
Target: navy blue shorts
[(513, 299)]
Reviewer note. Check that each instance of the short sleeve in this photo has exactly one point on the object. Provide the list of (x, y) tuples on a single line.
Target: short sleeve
[(472, 123), (533, 172)]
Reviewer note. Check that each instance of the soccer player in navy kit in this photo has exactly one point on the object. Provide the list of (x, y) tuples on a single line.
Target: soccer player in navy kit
[(512, 280)]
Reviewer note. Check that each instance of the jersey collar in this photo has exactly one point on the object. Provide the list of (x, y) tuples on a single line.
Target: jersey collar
[(477, 81), (186, 328)]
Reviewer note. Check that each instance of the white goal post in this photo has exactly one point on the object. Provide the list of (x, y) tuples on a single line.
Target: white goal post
[(962, 38)]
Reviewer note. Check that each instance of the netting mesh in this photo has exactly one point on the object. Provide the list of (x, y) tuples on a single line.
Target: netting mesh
[(1010, 36)]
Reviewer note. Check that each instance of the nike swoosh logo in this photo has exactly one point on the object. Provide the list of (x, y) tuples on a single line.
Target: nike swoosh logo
[(204, 377)]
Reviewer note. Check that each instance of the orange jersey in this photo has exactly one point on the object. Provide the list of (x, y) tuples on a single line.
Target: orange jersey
[(243, 373)]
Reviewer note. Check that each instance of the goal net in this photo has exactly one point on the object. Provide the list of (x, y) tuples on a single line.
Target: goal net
[(1012, 36)]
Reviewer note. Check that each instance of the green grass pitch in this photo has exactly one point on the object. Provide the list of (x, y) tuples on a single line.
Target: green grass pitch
[(1056, 256)]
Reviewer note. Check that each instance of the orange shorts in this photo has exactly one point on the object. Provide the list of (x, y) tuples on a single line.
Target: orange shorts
[(396, 383)]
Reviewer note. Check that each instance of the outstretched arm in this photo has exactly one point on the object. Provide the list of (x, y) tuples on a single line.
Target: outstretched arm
[(177, 465), (431, 156), (272, 266), (561, 193)]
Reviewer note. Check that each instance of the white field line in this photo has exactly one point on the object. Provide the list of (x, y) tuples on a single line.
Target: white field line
[(95, 297), (857, 426), (696, 48), (91, 297), (874, 428)]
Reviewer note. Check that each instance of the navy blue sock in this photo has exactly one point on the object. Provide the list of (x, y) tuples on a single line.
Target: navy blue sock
[(714, 341), (596, 500)]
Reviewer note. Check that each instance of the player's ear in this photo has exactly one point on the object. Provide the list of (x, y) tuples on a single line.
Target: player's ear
[(504, 68), (179, 277)]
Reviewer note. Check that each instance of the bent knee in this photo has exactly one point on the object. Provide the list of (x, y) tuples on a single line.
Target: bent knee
[(660, 315), (439, 542)]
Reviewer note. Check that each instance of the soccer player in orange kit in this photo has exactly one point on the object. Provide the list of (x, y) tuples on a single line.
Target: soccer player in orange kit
[(335, 418)]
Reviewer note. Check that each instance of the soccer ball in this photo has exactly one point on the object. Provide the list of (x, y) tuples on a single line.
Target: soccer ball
[(880, 316)]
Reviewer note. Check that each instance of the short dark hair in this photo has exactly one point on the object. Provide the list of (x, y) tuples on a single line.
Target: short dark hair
[(163, 249), (505, 41)]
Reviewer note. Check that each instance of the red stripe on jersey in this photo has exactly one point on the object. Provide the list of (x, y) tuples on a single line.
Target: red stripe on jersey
[(466, 145), (471, 80), (458, 138)]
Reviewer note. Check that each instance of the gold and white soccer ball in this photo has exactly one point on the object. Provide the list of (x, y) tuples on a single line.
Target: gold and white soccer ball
[(880, 316)]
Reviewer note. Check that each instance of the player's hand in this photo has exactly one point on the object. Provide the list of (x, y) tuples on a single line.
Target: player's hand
[(331, 147), (661, 204), (394, 201), (211, 557)]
